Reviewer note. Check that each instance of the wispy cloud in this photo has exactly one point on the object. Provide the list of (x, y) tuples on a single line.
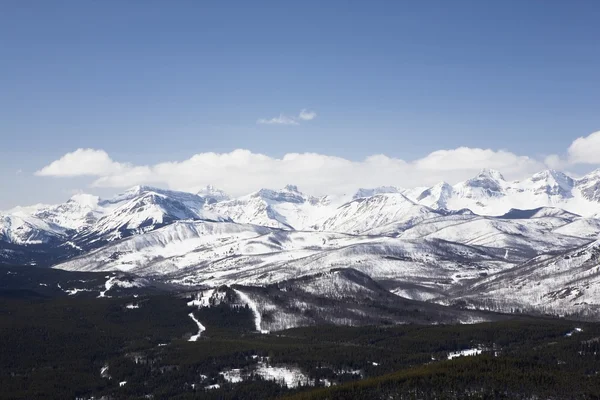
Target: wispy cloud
[(306, 115), (282, 119)]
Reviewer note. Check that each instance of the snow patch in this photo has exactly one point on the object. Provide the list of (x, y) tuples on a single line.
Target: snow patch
[(464, 353), (201, 328), (252, 305), (576, 330)]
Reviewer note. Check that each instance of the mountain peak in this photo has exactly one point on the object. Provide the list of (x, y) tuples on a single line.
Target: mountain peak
[(85, 199), (552, 182), (285, 195), (488, 173), (291, 188), (549, 173), (594, 175), (374, 191), (213, 194)]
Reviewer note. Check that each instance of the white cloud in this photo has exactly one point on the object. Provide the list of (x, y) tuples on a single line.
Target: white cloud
[(241, 171), (469, 159), (554, 161), (282, 119), (585, 150), (83, 162), (306, 115)]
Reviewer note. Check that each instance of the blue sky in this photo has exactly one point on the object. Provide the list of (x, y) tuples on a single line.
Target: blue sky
[(158, 81)]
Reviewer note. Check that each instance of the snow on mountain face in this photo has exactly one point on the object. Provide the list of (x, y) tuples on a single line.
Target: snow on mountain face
[(487, 184), (436, 197), (520, 239), (589, 186), (145, 211), (362, 215), (23, 229), (170, 246), (86, 219), (191, 201), (80, 211), (284, 209), (207, 253), (211, 195), (372, 192), (551, 183), (490, 194)]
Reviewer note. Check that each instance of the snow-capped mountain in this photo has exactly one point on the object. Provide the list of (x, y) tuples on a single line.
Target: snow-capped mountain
[(79, 212), (435, 197), (384, 210), (86, 220), (363, 215), (211, 194), (489, 193), (144, 212), (360, 193), (589, 186), (22, 229), (423, 243), (285, 209)]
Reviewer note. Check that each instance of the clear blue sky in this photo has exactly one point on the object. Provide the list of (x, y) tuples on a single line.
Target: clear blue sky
[(161, 80)]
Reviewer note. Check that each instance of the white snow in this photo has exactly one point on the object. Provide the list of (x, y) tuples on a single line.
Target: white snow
[(252, 305), (72, 292), (232, 375), (576, 330), (107, 286), (201, 328), (212, 387), (291, 377), (464, 353), (284, 375)]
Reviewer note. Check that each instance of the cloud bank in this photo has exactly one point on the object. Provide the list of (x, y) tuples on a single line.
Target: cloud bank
[(242, 171)]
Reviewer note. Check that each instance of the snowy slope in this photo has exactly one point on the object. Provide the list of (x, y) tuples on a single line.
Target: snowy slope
[(213, 254), (520, 238), (566, 283), (172, 242), (362, 215)]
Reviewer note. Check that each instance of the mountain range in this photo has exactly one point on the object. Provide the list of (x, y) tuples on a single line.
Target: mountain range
[(485, 243)]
